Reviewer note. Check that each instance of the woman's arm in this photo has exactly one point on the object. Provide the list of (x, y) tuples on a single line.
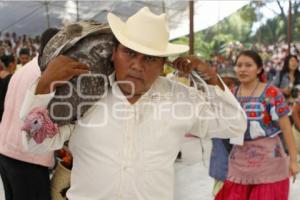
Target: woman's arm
[(289, 139), (296, 115), (286, 91), (281, 85)]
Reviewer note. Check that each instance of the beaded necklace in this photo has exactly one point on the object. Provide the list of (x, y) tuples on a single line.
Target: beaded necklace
[(246, 99)]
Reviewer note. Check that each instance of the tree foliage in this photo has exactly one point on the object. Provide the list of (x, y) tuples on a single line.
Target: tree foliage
[(239, 27), (275, 30)]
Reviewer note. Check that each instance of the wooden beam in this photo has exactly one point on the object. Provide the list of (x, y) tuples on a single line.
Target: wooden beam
[(47, 13), (289, 31), (191, 35), (77, 10)]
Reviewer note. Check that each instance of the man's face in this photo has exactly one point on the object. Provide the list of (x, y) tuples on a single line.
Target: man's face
[(138, 69), (24, 58)]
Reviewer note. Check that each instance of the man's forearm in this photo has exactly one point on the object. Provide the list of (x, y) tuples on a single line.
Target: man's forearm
[(212, 78), (42, 88)]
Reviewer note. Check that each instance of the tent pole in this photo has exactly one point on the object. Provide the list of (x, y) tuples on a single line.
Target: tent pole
[(77, 10), (191, 35), (163, 7), (47, 13), (289, 31)]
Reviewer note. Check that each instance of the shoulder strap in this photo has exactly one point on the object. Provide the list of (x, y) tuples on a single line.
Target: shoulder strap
[(235, 90)]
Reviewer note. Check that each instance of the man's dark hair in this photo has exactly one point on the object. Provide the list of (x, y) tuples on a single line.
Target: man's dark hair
[(45, 37), (115, 42), (24, 51)]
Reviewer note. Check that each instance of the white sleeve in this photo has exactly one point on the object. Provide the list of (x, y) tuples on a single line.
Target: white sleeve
[(221, 116), (49, 144)]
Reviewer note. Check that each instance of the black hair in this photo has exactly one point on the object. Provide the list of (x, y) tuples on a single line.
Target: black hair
[(45, 37), (286, 69), (7, 60), (8, 43), (256, 58), (24, 51), (115, 41)]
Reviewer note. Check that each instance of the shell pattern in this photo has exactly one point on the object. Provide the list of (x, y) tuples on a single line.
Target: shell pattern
[(92, 44)]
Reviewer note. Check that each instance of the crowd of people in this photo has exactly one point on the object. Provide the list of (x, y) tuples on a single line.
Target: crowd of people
[(15, 52), (21, 48), (11, 43), (273, 55), (250, 118)]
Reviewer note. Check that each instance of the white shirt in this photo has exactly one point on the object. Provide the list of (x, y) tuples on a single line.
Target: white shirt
[(131, 155)]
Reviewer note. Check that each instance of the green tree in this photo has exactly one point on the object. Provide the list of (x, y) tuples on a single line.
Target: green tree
[(239, 27), (212, 41), (276, 29)]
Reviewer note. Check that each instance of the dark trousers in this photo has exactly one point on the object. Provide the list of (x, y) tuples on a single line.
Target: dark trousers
[(24, 181)]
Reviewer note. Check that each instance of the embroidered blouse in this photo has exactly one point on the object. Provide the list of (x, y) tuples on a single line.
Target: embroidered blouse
[(263, 112)]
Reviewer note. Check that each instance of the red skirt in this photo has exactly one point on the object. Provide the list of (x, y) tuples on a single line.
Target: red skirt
[(269, 191)]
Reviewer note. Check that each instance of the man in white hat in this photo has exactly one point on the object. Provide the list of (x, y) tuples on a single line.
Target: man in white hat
[(125, 146)]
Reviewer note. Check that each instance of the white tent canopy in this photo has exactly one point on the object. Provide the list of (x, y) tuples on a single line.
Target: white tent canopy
[(31, 18)]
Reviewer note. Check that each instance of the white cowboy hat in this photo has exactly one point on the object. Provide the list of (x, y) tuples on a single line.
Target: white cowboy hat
[(145, 33)]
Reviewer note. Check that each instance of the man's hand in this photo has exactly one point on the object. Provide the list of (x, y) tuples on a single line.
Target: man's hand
[(61, 68), (189, 63)]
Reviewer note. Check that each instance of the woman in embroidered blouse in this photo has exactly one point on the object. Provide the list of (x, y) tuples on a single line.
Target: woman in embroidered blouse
[(260, 169)]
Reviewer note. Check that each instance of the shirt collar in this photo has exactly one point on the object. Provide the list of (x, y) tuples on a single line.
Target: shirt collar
[(150, 94), (111, 78)]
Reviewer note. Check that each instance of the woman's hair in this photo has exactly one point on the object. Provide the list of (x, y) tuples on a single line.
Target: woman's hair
[(256, 58), (7, 60), (286, 69)]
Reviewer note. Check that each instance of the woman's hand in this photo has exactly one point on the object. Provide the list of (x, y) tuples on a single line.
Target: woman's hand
[(294, 169)]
